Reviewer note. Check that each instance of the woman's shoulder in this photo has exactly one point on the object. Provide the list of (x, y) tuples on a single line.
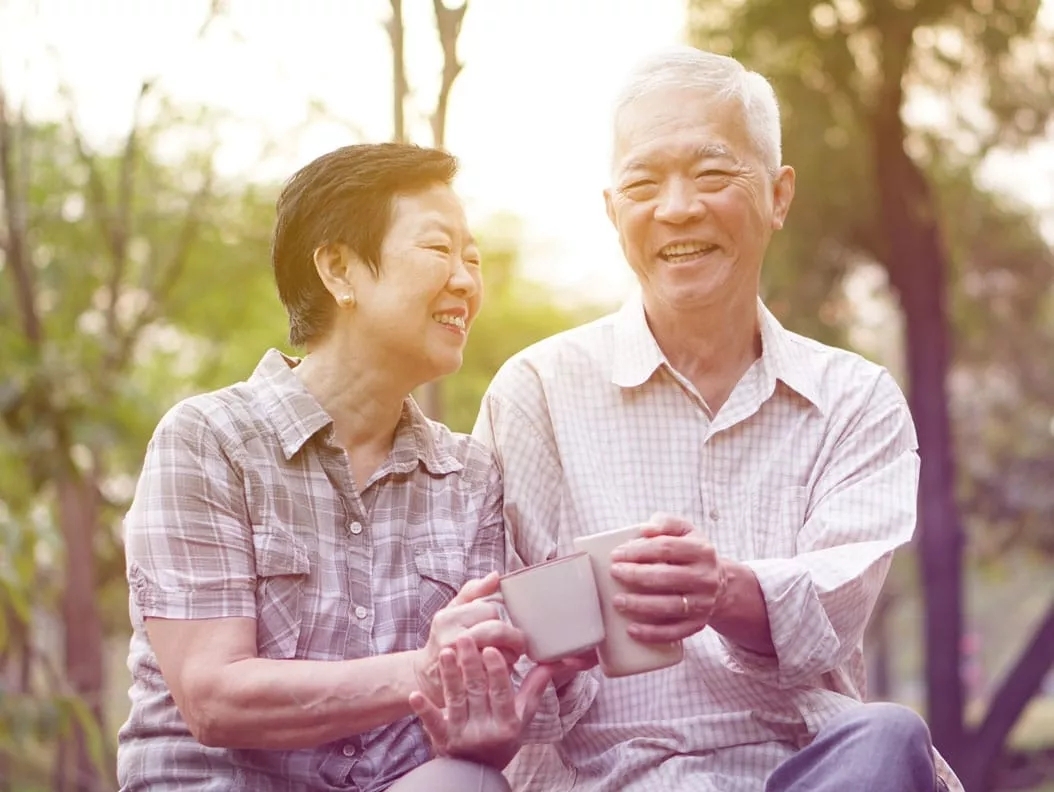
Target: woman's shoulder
[(474, 461), (224, 414)]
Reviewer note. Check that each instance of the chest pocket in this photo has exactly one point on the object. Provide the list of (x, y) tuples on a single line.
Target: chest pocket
[(776, 518), (282, 569), (442, 574)]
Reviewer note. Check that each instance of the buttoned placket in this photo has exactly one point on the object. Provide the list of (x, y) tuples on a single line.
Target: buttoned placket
[(360, 551)]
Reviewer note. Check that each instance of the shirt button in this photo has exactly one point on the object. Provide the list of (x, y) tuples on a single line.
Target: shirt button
[(348, 751), (360, 612), (356, 528), (713, 515)]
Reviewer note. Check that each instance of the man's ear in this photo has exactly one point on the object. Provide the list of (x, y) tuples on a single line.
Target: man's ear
[(782, 196), (610, 207)]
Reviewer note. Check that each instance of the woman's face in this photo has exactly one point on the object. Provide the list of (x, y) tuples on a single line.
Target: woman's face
[(416, 313)]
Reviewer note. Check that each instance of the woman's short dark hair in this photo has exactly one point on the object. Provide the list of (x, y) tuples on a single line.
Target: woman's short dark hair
[(343, 197)]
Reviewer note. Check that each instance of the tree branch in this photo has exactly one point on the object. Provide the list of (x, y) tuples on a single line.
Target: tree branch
[(15, 241), (448, 22), (169, 276), (400, 88), (120, 229), (1017, 689)]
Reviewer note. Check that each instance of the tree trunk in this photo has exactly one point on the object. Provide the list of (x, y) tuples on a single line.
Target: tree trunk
[(78, 510), (917, 265), (1020, 684)]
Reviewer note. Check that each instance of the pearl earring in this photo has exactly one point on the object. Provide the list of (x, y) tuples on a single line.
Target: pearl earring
[(345, 299)]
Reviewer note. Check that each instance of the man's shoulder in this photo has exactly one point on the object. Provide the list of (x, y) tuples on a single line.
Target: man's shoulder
[(841, 377)]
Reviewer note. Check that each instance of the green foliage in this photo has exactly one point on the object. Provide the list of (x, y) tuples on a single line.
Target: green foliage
[(150, 280)]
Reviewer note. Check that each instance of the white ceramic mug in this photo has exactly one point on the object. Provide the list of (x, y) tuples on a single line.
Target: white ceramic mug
[(555, 604), (620, 654)]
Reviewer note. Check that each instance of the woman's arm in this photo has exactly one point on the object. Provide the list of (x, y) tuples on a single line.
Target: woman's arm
[(192, 572), (229, 697)]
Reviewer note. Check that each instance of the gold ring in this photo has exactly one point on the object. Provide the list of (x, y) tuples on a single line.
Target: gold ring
[(684, 602)]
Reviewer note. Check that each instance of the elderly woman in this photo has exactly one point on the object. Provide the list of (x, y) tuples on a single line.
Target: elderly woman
[(306, 551)]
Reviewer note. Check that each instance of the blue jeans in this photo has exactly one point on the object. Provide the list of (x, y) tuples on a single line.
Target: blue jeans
[(871, 748)]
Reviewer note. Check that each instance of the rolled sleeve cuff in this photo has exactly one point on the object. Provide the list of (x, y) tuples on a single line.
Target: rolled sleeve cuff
[(232, 601), (804, 638), (558, 713)]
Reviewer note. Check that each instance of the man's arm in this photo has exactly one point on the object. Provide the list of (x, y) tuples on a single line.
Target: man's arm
[(792, 619)]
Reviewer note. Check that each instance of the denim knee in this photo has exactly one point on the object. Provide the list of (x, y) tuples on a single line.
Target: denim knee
[(887, 724)]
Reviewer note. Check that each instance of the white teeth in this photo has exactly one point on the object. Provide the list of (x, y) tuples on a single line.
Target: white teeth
[(684, 249), (447, 319)]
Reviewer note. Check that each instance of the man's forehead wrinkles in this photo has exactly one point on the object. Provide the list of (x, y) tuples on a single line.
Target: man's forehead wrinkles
[(659, 154)]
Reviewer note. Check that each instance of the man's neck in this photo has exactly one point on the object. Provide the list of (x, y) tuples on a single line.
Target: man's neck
[(711, 347)]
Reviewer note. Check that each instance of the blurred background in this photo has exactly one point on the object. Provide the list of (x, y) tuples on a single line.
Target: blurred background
[(142, 145)]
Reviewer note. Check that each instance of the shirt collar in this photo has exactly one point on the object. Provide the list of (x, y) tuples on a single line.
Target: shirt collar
[(637, 354), (785, 358), (297, 417)]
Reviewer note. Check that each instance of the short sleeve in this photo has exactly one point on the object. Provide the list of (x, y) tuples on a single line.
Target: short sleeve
[(188, 539)]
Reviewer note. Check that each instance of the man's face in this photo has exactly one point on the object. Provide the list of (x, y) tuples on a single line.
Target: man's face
[(693, 204)]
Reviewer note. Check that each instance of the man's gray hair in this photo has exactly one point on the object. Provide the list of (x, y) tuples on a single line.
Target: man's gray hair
[(718, 76)]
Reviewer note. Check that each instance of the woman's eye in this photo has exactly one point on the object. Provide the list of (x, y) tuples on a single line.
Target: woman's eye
[(441, 248)]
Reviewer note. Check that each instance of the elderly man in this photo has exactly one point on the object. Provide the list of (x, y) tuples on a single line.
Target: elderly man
[(692, 408)]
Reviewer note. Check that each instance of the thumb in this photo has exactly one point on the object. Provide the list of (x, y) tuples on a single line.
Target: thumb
[(432, 719), (529, 696), (477, 588)]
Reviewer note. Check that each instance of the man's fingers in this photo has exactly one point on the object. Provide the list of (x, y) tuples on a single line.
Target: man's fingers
[(660, 578), (432, 719), (499, 683), (663, 608), (662, 524), (476, 588), (664, 549), (665, 633)]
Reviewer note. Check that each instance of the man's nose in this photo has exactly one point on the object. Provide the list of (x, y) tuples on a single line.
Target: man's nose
[(679, 202)]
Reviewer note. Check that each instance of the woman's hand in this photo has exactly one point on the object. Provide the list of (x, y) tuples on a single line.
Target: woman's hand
[(470, 616), (563, 671), (484, 718)]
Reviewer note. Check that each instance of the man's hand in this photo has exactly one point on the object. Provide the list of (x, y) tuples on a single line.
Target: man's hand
[(469, 616), (675, 579), (484, 718)]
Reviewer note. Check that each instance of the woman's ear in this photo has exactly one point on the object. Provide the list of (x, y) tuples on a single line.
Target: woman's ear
[(334, 263)]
